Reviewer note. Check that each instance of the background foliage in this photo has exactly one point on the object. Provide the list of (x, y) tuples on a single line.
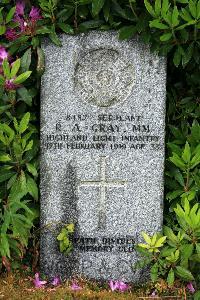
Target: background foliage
[(171, 27)]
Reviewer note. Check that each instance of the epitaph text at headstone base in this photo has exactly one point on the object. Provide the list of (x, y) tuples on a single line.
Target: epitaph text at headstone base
[(102, 152)]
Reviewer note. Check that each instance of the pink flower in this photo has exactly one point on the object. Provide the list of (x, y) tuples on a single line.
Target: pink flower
[(113, 285), (9, 85), (75, 287), (190, 287), (35, 14), (27, 24), (20, 5), (56, 281), (37, 282), (3, 54), (11, 34)]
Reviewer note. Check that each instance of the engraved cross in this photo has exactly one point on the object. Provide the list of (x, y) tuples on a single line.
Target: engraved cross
[(103, 183)]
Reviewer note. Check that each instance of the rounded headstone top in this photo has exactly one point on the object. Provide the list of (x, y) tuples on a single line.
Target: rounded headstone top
[(103, 77)]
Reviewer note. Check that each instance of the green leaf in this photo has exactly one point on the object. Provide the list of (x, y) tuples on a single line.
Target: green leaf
[(83, 11), (17, 192), (15, 68), (22, 77), (178, 161), (177, 132), (35, 42), (160, 241), (106, 10), (23, 125), (9, 132), (189, 195), (157, 7), (170, 277), (66, 28), (188, 54), (11, 181), (192, 8), (173, 195), (149, 8), (4, 108), (170, 234), (184, 274), (6, 68), (198, 248), (43, 30), (29, 146), (97, 6), (70, 228), (15, 124), (186, 153), (154, 272), (61, 236), (198, 9), (118, 9), (22, 179), (53, 36), (195, 161), (40, 62), (175, 15), (5, 244), (55, 39), (5, 157), (32, 187), (179, 177), (10, 14), (65, 13), (2, 80), (165, 8), (5, 174), (197, 295), (185, 15), (195, 131), (24, 96), (156, 23), (90, 24), (146, 238), (186, 251), (127, 32), (2, 29), (166, 37), (31, 168), (26, 60), (1, 15)]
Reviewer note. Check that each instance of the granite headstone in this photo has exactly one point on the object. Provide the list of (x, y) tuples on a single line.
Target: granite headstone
[(102, 153)]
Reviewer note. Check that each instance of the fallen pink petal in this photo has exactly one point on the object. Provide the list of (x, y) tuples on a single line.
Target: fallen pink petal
[(113, 285), (190, 288), (75, 287), (122, 286), (37, 282), (154, 294), (56, 281)]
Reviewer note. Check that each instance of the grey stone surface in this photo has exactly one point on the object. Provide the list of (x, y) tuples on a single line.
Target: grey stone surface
[(102, 153)]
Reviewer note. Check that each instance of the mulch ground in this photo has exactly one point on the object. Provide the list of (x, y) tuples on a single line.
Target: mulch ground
[(19, 287)]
